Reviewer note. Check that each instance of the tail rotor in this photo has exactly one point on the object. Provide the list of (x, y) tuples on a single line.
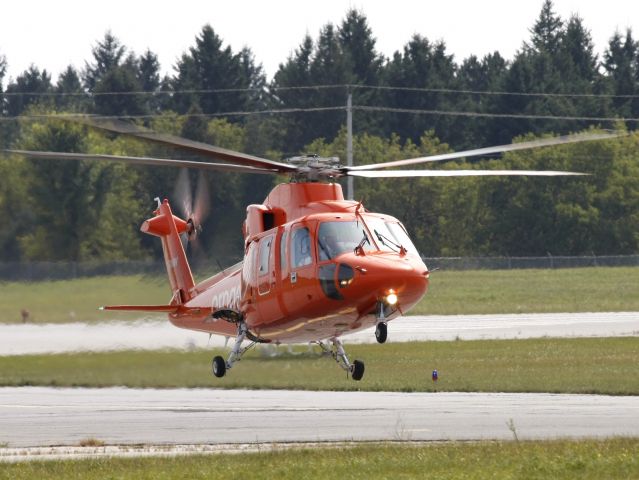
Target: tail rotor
[(194, 208)]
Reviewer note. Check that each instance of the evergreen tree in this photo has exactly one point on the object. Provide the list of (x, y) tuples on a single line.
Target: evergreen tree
[(329, 66), (208, 69), (296, 72), (621, 63), (113, 76), (70, 94), (28, 89), (578, 65), (534, 71), (576, 54), (107, 55), (358, 44), (365, 65), (148, 76), (122, 79), (559, 60), (547, 31), (421, 65), (149, 71), (340, 56), (485, 75)]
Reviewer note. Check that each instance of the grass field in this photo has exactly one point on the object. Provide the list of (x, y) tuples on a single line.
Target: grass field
[(593, 365), (78, 300), (605, 459), (451, 292), (532, 291)]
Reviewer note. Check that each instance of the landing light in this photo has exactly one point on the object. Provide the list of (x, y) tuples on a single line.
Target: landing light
[(391, 298)]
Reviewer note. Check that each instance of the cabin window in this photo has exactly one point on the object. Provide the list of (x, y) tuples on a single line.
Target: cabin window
[(301, 248), (265, 252), (335, 238), (283, 252)]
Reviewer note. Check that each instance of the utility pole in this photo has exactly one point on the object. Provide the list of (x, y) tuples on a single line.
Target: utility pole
[(349, 144)]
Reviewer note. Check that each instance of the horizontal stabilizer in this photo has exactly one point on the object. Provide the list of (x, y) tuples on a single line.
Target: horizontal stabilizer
[(175, 309), (142, 308)]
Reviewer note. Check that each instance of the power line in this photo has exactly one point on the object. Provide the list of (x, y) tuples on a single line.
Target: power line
[(363, 108), (70, 116), (493, 92), (174, 92), (129, 92), (449, 91), (492, 115)]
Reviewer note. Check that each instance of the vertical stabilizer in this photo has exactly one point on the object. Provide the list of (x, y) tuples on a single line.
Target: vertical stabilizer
[(169, 227)]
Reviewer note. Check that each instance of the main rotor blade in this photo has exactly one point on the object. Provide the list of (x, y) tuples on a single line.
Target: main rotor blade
[(164, 162), (544, 142), (118, 126), (460, 173)]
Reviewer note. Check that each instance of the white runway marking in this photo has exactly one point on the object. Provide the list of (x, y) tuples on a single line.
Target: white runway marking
[(21, 454), (19, 339)]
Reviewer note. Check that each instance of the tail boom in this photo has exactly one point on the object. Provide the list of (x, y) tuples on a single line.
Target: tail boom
[(168, 227)]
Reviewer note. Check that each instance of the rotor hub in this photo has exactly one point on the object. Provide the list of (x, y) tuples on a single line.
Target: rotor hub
[(314, 168)]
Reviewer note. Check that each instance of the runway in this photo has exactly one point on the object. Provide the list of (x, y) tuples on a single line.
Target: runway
[(151, 334), (38, 416)]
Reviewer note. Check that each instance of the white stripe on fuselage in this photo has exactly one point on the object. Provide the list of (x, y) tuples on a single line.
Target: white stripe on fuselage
[(227, 299)]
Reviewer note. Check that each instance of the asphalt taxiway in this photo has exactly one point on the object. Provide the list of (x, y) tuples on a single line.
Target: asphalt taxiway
[(39, 416)]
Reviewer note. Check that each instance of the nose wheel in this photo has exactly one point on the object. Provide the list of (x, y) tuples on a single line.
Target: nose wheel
[(381, 328), (381, 332)]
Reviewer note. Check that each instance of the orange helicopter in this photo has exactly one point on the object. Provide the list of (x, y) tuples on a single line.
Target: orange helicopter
[(316, 266)]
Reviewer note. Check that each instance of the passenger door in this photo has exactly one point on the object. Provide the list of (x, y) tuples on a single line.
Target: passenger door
[(302, 283), (268, 302), (265, 274)]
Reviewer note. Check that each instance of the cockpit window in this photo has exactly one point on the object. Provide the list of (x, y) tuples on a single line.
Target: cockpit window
[(301, 248), (390, 236), (398, 231), (335, 238)]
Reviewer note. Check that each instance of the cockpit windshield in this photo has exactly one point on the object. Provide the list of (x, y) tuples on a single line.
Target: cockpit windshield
[(335, 238), (390, 235)]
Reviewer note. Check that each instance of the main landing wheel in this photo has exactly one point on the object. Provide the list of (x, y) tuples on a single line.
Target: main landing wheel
[(357, 370), (219, 366), (381, 332)]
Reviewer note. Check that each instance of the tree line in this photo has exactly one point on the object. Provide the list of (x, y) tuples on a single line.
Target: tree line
[(419, 101)]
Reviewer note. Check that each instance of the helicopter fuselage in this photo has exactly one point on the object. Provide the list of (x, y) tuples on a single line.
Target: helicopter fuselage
[(324, 268)]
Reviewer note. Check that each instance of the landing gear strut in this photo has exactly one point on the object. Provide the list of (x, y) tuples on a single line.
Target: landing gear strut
[(381, 329), (336, 350), (220, 366)]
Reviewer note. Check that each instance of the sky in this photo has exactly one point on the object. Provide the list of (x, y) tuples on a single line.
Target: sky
[(54, 34)]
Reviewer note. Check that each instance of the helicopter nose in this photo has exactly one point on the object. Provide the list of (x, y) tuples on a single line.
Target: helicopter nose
[(397, 280)]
